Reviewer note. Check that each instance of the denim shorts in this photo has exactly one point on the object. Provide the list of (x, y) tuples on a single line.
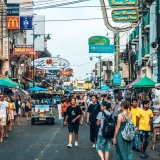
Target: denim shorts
[(102, 142)]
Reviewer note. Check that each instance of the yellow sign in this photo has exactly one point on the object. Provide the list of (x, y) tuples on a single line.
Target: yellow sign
[(12, 22)]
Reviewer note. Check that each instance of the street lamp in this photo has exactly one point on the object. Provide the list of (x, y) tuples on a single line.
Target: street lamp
[(100, 60), (34, 37)]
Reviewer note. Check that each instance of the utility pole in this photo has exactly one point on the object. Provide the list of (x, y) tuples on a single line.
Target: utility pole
[(33, 57), (158, 40), (117, 50), (100, 71)]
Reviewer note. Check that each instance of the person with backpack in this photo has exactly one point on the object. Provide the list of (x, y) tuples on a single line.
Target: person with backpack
[(104, 141), (124, 134)]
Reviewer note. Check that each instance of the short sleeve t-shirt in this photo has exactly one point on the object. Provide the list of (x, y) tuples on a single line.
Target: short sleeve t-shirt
[(144, 119), (72, 113), (3, 106), (134, 112), (101, 117), (93, 109)]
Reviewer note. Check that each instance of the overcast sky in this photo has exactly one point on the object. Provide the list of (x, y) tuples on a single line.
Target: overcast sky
[(70, 39)]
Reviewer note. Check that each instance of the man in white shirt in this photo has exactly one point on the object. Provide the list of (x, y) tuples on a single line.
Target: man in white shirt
[(3, 115)]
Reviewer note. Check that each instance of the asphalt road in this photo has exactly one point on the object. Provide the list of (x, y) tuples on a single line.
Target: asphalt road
[(48, 142)]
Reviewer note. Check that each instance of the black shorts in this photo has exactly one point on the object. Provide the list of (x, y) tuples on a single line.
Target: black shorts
[(73, 127), (144, 136)]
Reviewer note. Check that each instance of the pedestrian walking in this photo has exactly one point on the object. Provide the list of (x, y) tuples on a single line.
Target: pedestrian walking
[(18, 104), (144, 117), (12, 109), (73, 116), (4, 110), (92, 113), (82, 104), (115, 108), (64, 107), (101, 141), (123, 147), (133, 111)]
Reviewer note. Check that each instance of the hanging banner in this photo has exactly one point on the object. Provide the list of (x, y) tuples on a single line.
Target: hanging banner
[(50, 63), (5, 47), (125, 15), (123, 3), (26, 22)]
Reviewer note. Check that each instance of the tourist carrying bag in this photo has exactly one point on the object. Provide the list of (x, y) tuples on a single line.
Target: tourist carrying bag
[(128, 132), (109, 125)]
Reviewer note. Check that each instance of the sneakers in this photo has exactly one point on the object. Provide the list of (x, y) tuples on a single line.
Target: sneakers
[(76, 144), (143, 156), (146, 154), (94, 146), (69, 145), (137, 150)]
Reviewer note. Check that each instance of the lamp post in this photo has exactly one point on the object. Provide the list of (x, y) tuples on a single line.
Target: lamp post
[(100, 61), (34, 37), (88, 81)]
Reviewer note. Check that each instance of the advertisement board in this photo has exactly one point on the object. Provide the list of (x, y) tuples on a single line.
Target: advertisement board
[(12, 22), (123, 3), (98, 40), (12, 9), (26, 22), (5, 47), (23, 49), (50, 63), (42, 108), (117, 78), (101, 48), (125, 15)]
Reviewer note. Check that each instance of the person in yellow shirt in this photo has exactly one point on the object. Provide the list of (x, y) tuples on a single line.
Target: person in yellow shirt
[(133, 111), (144, 117)]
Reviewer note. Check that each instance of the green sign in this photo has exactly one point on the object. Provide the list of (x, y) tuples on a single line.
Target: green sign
[(98, 40), (123, 3), (125, 15)]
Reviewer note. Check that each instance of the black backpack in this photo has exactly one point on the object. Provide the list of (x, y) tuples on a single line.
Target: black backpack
[(108, 128)]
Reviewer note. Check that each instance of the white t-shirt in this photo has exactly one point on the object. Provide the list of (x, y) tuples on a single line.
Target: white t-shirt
[(3, 106)]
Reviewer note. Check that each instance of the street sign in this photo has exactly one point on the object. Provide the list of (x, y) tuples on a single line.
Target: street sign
[(13, 9), (125, 15), (101, 48), (23, 49), (26, 22), (117, 78), (98, 40), (123, 3), (12, 22)]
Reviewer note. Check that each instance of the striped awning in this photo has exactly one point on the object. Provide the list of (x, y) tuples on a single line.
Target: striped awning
[(134, 82)]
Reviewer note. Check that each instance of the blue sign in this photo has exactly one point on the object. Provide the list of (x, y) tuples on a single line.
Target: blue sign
[(26, 22), (107, 48), (117, 78)]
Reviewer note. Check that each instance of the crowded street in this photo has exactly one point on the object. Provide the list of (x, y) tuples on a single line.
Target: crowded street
[(79, 79), (47, 142)]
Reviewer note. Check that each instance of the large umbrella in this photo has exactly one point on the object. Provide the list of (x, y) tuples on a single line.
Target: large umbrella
[(16, 85), (105, 88), (6, 84), (145, 82), (36, 88)]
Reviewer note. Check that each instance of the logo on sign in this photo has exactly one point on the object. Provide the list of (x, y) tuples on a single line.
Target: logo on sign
[(25, 22), (12, 22)]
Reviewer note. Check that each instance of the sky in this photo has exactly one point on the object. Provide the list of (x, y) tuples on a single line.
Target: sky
[(70, 39)]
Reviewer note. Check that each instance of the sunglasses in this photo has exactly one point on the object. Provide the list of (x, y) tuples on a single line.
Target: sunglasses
[(1, 97)]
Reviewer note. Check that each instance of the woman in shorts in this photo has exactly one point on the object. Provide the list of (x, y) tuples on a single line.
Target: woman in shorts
[(12, 109), (18, 104), (82, 104)]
